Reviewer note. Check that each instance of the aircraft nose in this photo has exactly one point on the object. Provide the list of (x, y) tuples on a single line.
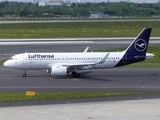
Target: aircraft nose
[(6, 64)]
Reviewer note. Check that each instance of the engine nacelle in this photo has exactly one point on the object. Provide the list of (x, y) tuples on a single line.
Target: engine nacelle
[(58, 70)]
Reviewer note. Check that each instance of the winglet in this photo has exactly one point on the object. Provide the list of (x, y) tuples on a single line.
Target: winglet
[(86, 50)]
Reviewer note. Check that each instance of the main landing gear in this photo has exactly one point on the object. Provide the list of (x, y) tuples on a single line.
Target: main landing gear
[(75, 74), (25, 74)]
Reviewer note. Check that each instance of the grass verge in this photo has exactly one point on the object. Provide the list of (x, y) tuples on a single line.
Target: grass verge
[(21, 96), (1, 62), (78, 29)]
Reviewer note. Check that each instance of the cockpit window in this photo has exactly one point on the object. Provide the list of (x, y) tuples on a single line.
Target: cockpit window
[(11, 59)]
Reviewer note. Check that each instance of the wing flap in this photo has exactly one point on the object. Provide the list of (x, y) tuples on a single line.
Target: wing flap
[(78, 64), (87, 64)]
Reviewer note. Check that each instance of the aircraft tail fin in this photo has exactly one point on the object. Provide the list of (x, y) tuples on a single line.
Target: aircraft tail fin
[(140, 44), (136, 51)]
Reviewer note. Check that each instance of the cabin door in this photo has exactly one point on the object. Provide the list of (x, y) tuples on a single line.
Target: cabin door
[(24, 59)]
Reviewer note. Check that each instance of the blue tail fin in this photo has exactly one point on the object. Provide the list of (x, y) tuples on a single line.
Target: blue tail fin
[(140, 44), (136, 52)]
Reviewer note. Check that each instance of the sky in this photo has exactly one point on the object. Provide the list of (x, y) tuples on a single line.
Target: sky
[(136, 1)]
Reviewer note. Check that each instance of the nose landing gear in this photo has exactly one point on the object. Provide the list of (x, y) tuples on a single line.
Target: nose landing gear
[(25, 74)]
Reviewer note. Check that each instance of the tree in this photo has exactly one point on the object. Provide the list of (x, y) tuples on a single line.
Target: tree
[(23, 12), (0, 13)]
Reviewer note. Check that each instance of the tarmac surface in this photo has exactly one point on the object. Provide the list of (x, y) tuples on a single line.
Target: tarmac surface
[(117, 79), (110, 108), (146, 109)]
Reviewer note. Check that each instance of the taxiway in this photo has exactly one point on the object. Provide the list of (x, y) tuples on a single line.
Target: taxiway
[(117, 79)]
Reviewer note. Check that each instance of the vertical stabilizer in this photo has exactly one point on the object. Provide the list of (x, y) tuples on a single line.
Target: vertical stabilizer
[(140, 44), (136, 51)]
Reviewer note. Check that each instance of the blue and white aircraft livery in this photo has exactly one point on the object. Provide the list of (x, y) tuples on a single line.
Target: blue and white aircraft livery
[(61, 64)]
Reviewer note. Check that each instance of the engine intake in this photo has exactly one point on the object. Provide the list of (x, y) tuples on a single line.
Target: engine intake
[(58, 70)]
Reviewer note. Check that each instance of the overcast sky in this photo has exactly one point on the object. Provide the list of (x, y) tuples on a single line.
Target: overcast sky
[(136, 1)]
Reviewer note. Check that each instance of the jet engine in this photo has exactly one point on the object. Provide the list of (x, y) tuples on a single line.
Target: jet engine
[(58, 70)]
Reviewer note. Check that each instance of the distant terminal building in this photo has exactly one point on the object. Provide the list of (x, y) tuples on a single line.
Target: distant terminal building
[(51, 3), (67, 2), (98, 14), (54, 3), (42, 3)]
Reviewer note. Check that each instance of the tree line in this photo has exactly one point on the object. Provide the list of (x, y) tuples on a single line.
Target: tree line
[(112, 8)]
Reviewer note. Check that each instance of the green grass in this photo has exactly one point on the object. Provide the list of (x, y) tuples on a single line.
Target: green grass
[(2, 61), (21, 96), (78, 29)]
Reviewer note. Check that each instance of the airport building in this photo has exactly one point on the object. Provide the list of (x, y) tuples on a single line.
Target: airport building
[(54, 3), (51, 3), (42, 3), (98, 14)]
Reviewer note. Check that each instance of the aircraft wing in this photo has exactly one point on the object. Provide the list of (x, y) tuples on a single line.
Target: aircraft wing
[(84, 64), (74, 65), (78, 64)]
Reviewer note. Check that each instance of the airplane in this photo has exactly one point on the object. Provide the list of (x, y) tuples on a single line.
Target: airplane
[(63, 64)]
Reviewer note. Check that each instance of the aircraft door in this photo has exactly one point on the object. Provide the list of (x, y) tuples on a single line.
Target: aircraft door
[(24, 59)]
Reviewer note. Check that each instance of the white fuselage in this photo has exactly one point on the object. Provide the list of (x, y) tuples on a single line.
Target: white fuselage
[(31, 61)]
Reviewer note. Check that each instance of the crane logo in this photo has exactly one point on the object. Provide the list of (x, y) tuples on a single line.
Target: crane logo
[(140, 45)]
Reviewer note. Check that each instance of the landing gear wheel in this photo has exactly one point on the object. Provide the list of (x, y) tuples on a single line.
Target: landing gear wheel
[(24, 75), (75, 74), (78, 75)]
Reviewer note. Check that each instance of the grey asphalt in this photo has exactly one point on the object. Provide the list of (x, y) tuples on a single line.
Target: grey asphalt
[(147, 109), (110, 108), (118, 79)]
